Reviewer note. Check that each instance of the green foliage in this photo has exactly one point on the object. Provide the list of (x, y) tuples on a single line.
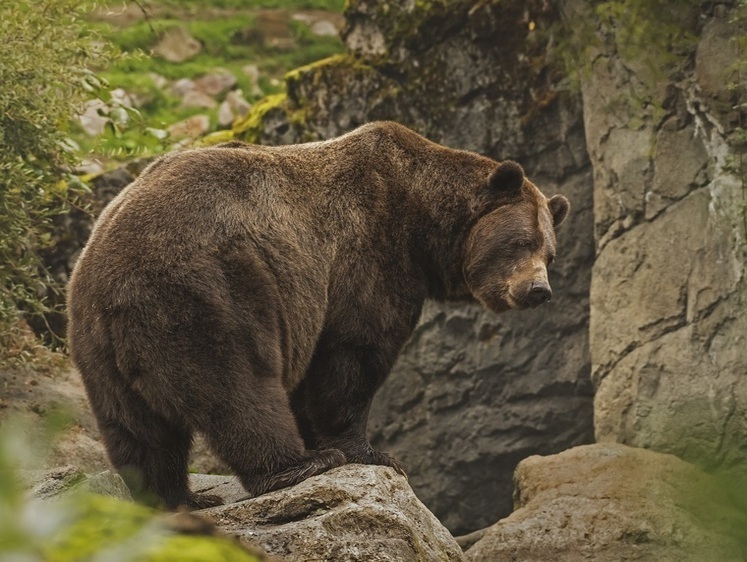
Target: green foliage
[(45, 59), (227, 42), (86, 527), (330, 5), (103, 528)]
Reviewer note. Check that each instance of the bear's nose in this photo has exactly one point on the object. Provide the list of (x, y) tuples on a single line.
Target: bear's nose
[(539, 293)]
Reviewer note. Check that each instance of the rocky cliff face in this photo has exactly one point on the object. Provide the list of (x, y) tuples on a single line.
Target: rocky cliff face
[(473, 393), (668, 333)]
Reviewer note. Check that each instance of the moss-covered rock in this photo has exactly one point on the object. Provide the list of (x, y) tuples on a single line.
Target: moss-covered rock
[(252, 126), (104, 527)]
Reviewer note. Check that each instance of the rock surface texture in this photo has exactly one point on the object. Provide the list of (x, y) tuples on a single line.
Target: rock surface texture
[(473, 393), (65, 480), (610, 502), (352, 513), (668, 330)]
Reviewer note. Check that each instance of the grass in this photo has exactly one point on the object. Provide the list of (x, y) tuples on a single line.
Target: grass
[(225, 29), (328, 5)]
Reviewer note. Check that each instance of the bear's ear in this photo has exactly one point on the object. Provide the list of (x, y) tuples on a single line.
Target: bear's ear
[(559, 207), (507, 178)]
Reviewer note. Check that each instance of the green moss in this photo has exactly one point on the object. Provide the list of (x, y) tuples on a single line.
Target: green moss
[(311, 67), (216, 138), (250, 127), (342, 59), (104, 527), (308, 77)]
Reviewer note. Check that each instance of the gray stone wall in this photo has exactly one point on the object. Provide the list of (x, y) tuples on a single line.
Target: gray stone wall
[(668, 334)]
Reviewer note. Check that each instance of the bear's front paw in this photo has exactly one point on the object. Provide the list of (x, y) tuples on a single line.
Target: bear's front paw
[(372, 456)]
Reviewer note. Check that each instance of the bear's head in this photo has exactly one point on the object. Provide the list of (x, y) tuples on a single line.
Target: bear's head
[(509, 247)]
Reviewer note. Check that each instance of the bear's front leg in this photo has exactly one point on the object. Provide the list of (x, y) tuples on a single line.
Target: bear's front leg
[(333, 401)]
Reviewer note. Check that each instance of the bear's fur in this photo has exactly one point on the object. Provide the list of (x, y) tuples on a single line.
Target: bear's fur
[(261, 295)]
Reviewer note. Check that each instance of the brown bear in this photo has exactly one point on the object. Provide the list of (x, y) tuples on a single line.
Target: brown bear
[(260, 295)]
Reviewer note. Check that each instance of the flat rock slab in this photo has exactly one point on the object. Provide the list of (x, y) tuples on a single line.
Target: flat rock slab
[(355, 512)]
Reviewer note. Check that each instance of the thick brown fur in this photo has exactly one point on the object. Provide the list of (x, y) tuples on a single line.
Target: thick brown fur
[(260, 296)]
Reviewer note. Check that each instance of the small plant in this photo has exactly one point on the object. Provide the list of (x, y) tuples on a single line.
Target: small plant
[(45, 59)]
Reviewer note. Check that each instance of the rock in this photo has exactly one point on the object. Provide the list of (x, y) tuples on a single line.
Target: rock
[(177, 45), (225, 114), (89, 166), (715, 56), (273, 29), (107, 483), (611, 502), (329, 23), (44, 484), (160, 82), (215, 83), (237, 103), (252, 72), (354, 512), (232, 107), (227, 487), (65, 480), (182, 87), (666, 339), (93, 120), (190, 128), (97, 113), (195, 98), (80, 444), (121, 98), (680, 159), (324, 28)]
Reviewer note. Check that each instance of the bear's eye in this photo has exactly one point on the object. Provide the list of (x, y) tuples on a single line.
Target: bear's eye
[(522, 243)]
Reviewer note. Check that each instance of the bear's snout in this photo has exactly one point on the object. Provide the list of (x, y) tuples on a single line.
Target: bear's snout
[(534, 293)]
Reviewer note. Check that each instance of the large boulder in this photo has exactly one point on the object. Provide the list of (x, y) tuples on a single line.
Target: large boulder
[(669, 283), (351, 513), (610, 502)]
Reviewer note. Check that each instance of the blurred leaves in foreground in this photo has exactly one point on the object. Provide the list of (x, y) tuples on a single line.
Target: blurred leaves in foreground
[(46, 54), (82, 526)]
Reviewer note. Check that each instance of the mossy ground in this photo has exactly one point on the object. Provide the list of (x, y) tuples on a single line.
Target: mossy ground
[(225, 29), (104, 527)]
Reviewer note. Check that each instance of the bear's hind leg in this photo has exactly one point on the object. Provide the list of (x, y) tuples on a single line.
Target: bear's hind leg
[(153, 460), (257, 436)]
